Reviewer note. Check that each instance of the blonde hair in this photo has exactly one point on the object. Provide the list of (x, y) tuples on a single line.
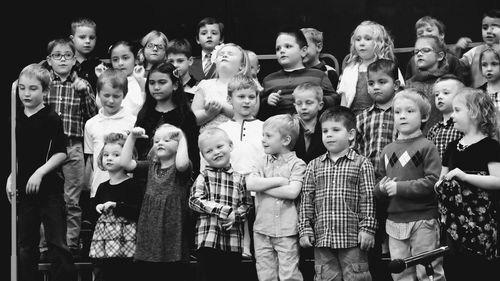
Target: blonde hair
[(173, 133), (286, 125), (384, 45), (481, 109), (315, 35), (39, 72), (418, 98), (212, 132), (245, 61), (311, 87)]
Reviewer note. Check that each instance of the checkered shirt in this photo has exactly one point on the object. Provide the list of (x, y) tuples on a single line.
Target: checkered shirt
[(214, 195), (441, 134), (336, 201)]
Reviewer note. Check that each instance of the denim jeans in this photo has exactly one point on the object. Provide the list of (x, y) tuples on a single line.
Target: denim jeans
[(350, 264)]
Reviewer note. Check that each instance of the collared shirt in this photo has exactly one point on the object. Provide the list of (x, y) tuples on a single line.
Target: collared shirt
[(441, 134), (375, 128), (214, 195), (336, 201), (277, 217), (74, 107)]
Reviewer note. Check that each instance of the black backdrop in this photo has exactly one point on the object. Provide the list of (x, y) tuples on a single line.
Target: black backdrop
[(27, 27)]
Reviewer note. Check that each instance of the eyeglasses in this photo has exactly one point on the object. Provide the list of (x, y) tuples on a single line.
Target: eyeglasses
[(423, 50), (59, 56), (158, 46)]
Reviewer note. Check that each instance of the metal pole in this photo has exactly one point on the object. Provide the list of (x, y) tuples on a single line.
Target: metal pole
[(13, 258)]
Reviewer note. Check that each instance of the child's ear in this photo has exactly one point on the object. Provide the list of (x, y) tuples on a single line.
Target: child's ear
[(303, 51), (320, 47), (441, 56), (190, 60), (425, 119), (352, 135), (397, 84), (229, 99), (286, 140), (321, 104)]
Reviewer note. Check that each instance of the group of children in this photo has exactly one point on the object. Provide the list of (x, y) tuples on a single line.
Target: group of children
[(194, 156)]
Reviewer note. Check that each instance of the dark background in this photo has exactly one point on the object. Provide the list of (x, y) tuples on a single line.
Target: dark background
[(250, 24)]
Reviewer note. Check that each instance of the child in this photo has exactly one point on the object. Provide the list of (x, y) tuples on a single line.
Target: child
[(112, 117), (220, 199), (117, 203), (210, 33), (277, 181), (369, 41), (336, 209), (491, 36), (166, 103), (314, 47), (442, 133), (291, 48), (431, 26), (123, 57), (409, 169), (153, 49), (308, 102), (210, 105), (75, 105), (254, 64), (179, 54), (245, 132), (490, 68), (83, 35), (469, 190), (429, 56), (40, 187), (162, 234)]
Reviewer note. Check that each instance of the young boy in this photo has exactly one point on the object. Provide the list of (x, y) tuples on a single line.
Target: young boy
[(220, 198), (179, 54), (75, 105), (245, 132), (314, 47), (410, 167), (210, 34), (277, 181), (443, 132), (41, 152), (336, 209), (291, 48), (308, 102)]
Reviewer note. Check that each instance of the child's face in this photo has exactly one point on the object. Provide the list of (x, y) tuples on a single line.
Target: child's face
[(307, 104), (209, 36), (273, 142), (490, 66), (84, 40), (426, 58), (288, 52), (111, 157), (62, 67), (217, 151), (164, 145), (161, 86), (335, 136), (254, 64), (123, 59), (181, 62), (491, 30), (244, 102), (381, 87), (364, 43), (312, 53), (229, 59), (428, 29), (30, 91), (111, 99), (154, 51), (461, 116), (407, 116), (444, 93)]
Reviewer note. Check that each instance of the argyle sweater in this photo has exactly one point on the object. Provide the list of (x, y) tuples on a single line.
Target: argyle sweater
[(416, 165)]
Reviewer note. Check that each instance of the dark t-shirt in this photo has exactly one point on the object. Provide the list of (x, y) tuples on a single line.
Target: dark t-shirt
[(475, 158)]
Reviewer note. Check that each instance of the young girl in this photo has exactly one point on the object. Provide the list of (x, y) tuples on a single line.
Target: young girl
[(469, 189), (166, 103), (122, 56), (490, 68), (162, 237), (370, 41), (117, 203), (153, 49), (430, 60), (210, 104)]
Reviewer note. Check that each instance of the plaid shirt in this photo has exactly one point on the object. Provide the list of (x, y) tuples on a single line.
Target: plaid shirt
[(214, 195), (336, 201), (74, 107), (441, 134), (375, 130)]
